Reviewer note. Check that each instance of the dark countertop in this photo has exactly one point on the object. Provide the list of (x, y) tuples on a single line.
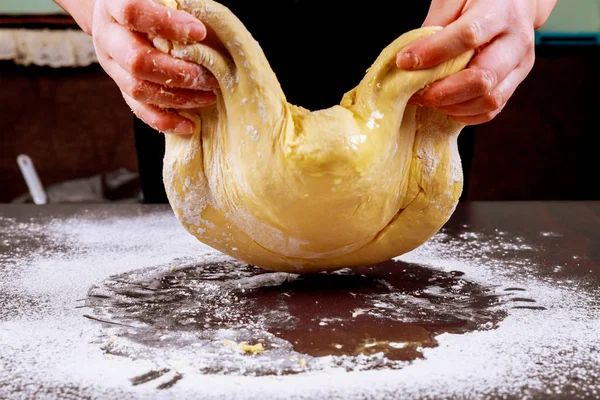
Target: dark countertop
[(107, 301)]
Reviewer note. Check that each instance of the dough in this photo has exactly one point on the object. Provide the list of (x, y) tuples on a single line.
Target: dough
[(283, 188)]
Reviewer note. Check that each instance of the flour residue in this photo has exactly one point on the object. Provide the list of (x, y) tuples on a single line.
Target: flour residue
[(372, 122), (547, 345)]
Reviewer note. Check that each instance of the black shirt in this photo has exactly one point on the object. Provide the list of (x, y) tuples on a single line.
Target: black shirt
[(318, 49)]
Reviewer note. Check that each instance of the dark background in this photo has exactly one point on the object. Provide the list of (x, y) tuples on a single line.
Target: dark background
[(74, 123)]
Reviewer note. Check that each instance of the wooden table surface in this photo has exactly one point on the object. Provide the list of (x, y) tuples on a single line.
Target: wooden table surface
[(503, 303), (575, 223)]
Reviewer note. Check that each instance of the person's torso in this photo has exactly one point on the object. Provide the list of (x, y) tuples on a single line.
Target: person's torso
[(321, 49)]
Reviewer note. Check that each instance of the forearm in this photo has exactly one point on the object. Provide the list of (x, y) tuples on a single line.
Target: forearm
[(543, 10), (81, 11)]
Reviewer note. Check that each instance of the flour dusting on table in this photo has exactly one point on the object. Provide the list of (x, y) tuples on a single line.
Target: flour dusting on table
[(541, 338)]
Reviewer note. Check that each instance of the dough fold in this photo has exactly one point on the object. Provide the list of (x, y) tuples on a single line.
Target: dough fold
[(287, 189)]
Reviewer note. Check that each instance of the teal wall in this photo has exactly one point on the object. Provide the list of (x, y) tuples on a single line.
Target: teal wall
[(29, 7), (569, 15), (574, 16)]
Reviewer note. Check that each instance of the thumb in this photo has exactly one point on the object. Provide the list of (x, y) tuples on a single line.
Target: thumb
[(444, 12), (441, 13)]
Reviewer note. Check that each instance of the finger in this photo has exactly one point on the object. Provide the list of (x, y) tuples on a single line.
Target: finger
[(136, 56), (479, 111), (152, 93), (491, 101), (444, 12), (477, 119), (473, 29), (150, 17), (485, 71), (161, 120)]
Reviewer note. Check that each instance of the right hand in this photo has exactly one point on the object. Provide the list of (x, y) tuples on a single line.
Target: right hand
[(152, 82)]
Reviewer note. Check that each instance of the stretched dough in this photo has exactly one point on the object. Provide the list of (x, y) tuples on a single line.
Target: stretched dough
[(283, 188)]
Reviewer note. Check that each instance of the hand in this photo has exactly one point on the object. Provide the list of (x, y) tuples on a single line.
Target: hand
[(151, 81), (501, 33)]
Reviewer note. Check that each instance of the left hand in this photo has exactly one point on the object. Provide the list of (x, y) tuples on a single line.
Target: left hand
[(501, 32)]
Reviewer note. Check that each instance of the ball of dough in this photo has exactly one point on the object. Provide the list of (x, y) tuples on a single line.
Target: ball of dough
[(287, 189)]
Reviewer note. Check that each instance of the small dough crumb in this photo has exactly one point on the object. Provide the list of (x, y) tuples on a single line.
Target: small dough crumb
[(252, 349)]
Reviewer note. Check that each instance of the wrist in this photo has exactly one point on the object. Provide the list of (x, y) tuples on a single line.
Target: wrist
[(543, 10), (82, 12)]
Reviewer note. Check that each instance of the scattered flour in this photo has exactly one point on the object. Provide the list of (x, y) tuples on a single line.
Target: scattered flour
[(253, 132), (375, 115), (48, 350)]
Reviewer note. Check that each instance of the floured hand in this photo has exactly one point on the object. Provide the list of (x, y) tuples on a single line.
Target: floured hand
[(503, 34), (151, 82)]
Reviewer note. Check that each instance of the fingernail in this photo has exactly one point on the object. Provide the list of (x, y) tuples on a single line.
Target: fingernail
[(203, 79), (196, 31), (184, 128), (408, 61)]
